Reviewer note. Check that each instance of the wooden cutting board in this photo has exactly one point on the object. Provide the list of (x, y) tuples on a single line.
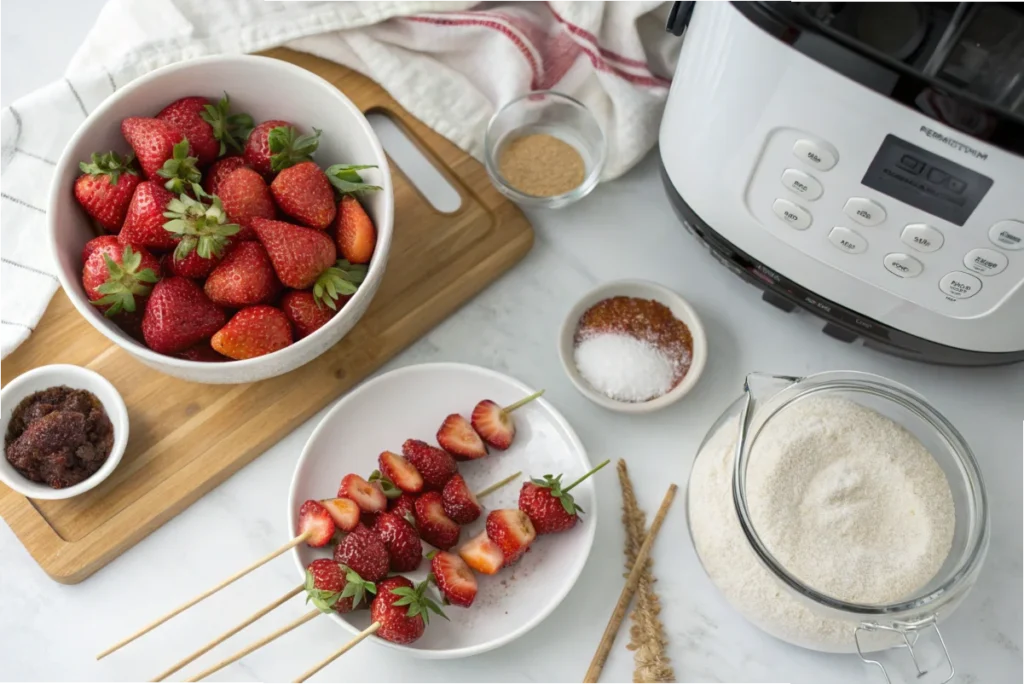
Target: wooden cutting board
[(188, 438)]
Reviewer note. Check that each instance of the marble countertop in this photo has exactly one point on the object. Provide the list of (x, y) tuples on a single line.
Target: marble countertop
[(626, 229)]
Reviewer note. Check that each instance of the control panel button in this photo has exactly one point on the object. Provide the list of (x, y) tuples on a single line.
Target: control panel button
[(796, 216), (1007, 234), (864, 211), (922, 237), (987, 262), (903, 265), (802, 184), (815, 154), (959, 285), (847, 240)]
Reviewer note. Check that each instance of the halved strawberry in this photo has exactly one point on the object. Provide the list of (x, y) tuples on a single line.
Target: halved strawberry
[(483, 555), (404, 506), (368, 496), (512, 531), (403, 543), (401, 472), (316, 523), (494, 423), (434, 525), (435, 465), (457, 436), (460, 504), (363, 551), (454, 578), (344, 512)]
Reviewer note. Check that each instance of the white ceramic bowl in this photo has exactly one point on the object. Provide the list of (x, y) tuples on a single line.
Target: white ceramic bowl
[(417, 399), (642, 289), (74, 377), (298, 96)]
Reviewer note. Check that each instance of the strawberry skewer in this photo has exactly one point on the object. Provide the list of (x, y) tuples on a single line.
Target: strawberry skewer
[(495, 424)]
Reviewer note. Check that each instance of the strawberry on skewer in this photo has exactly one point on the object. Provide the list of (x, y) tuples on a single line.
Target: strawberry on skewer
[(494, 424), (551, 507), (435, 465), (367, 495), (483, 555), (457, 436), (453, 578), (401, 472), (512, 531), (434, 525), (333, 588), (405, 551), (344, 512), (363, 550), (460, 504)]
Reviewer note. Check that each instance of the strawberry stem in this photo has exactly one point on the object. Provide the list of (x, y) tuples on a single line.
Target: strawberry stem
[(602, 465), (498, 485), (522, 402)]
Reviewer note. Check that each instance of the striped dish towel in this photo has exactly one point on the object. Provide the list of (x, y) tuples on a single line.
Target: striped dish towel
[(451, 64)]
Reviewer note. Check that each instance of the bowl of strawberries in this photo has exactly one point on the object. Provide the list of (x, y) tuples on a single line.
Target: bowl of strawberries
[(224, 219)]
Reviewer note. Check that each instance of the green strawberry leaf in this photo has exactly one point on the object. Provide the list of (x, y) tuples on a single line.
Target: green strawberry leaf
[(202, 224), (230, 129), (288, 148), (180, 170), (110, 165), (346, 179)]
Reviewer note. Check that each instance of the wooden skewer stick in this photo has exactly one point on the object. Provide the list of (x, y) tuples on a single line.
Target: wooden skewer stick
[(498, 485), (256, 645), (238, 575), (522, 402), (340, 652), (608, 638), (226, 635)]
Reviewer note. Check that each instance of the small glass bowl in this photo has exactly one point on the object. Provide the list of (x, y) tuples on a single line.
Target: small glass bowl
[(551, 113)]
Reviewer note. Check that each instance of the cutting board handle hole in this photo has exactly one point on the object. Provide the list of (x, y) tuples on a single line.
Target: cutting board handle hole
[(420, 170)]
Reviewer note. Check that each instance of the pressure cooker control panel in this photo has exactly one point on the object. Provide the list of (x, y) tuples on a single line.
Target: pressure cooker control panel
[(896, 215)]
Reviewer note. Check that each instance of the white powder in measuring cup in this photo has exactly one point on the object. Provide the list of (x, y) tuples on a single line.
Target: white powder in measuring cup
[(846, 500)]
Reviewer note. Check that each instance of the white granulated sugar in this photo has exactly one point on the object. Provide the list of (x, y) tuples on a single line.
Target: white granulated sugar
[(846, 500), (623, 367)]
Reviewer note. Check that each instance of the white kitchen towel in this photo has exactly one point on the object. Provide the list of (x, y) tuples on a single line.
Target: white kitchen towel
[(451, 64)]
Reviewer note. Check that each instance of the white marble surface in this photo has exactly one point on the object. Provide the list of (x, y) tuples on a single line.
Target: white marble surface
[(624, 230)]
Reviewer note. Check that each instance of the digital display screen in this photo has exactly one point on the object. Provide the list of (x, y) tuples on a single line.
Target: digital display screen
[(925, 180)]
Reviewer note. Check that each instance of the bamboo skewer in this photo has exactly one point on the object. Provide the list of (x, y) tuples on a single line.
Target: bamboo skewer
[(340, 652), (226, 635), (238, 575), (608, 638), (498, 485), (256, 645)]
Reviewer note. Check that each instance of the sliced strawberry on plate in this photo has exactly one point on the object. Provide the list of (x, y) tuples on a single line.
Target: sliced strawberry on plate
[(403, 543), (494, 424), (460, 504), (454, 578), (402, 609), (363, 551), (344, 512), (457, 436), (551, 507), (434, 525), (435, 465), (253, 331), (512, 531), (331, 587), (315, 523), (105, 188), (367, 495), (483, 555), (401, 472), (404, 506)]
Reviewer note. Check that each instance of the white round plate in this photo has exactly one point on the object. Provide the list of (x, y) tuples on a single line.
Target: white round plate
[(412, 402)]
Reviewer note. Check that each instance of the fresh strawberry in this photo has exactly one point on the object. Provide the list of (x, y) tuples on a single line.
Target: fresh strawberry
[(332, 587), (152, 140), (404, 506), (305, 314), (253, 331), (454, 578), (276, 145), (402, 610), (98, 242), (363, 551), (434, 525), (118, 278), (435, 465), (402, 473), (200, 225), (483, 555), (315, 523), (354, 231), (181, 170), (345, 512), (460, 504), (178, 315), (144, 222), (303, 192), (244, 277), (221, 169), (245, 196), (201, 351), (105, 188), (403, 543), (367, 495), (512, 531), (457, 436), (210, 128), (495, 424), (549, 506), (192, 266)]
